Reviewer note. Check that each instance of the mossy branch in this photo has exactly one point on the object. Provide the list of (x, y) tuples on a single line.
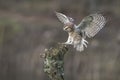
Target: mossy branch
[(54, 62)]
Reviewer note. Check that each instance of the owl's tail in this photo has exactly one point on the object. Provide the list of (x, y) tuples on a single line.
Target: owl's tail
[(81, 45)]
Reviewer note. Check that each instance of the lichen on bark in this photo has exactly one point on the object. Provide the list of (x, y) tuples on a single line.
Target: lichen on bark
[(54, 62)]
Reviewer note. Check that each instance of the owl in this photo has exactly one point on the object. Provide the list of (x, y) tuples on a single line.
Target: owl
[(88, 27)]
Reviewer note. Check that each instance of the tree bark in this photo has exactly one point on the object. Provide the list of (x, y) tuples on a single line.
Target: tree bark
[(54, 62)]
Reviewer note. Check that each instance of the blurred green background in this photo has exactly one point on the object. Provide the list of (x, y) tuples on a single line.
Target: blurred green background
[(27, 27)]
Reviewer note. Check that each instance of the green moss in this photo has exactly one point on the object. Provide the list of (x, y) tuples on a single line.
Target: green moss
[(54, 62)]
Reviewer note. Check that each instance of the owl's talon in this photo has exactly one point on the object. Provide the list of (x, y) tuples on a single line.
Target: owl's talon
[(62, 43)]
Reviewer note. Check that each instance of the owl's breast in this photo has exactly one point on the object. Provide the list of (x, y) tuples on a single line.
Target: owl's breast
[(76, 37)]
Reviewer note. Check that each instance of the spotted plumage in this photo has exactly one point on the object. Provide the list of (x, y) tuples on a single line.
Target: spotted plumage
[(89, 27)]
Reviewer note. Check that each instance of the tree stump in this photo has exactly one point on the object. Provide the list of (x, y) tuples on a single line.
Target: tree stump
[(54, 62)]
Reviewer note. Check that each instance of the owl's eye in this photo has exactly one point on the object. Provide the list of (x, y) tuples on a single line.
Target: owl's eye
[(65, 27)]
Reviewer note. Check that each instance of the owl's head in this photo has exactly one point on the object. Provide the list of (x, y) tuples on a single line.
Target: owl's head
[(69, 27)]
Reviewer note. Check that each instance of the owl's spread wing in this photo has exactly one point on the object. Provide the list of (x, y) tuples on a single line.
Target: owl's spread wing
[(63, 18), (92, 24)]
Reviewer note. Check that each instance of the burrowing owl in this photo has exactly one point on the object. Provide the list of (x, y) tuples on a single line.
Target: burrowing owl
[(89, 27)]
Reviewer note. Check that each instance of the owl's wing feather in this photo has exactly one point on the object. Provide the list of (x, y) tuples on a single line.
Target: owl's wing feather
[(63, 18), (92, 24)]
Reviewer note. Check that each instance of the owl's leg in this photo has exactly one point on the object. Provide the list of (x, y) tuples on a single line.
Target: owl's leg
[(69, 41)]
